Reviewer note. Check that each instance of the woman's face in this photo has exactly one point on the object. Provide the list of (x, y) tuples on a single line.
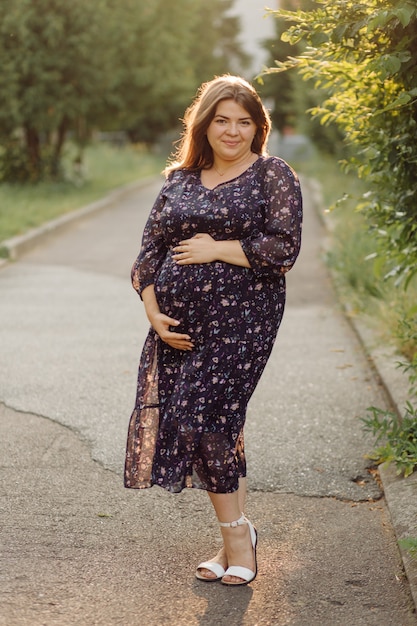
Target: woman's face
[(231, 131)]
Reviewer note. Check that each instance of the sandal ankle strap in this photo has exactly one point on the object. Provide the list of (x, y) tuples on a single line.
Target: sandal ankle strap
[(238, 522)]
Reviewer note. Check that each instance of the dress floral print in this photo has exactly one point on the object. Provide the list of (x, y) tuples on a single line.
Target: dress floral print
[(187, 426)]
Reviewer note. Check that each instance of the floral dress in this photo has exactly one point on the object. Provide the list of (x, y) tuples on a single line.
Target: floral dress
[(186, 429)]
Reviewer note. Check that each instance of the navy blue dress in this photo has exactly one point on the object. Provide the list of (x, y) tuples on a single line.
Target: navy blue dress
[(187, 426)]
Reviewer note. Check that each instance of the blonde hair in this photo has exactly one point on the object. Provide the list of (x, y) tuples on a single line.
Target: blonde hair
[(194, 151)]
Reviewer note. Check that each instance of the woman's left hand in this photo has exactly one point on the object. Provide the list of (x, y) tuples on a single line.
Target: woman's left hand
[(199, 249)]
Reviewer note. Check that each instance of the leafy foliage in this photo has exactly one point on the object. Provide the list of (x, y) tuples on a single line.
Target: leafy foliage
[(364, 54), (221, 51), (400, 435), (71, 67), (410, 544), (47, 78), (178, 46), (292, 96)]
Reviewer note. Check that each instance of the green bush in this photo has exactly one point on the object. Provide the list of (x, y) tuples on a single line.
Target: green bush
[(399, 436), (364, 54)]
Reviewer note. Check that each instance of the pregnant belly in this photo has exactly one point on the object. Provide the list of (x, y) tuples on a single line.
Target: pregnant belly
[(203, 282), (185, 283), (219, 303)]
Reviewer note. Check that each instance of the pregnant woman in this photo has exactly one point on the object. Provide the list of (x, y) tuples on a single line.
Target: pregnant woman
[(224, 230)]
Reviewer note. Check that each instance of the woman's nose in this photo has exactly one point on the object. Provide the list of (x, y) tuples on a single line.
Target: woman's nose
[(232, 129)]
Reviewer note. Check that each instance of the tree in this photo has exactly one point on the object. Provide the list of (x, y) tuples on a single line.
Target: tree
[(364, 53), (155, 75), (50, 78), (185, 43), (282, 87), (291, 95), (216, 49), (108, 64)]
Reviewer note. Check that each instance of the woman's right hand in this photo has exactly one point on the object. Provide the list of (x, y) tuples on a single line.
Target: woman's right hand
[(161, 324)]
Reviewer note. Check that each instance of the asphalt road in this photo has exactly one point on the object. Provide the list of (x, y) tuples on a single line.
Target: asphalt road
[(79, 549)]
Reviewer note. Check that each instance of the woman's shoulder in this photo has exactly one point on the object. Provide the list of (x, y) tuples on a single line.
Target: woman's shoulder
[(274, 166), (178, 176), (174, 178), (275, 162)]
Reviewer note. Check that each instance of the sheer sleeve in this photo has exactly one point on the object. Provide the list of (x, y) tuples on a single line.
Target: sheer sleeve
[(153, 249), (274, 251)]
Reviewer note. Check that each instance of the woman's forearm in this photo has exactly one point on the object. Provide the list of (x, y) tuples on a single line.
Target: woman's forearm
[(202, 248), (150, 302), (231, 252)]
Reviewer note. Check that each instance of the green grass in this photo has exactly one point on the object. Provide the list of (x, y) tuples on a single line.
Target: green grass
[(410, 544), (23, 207), (334, 183), (388, 309)]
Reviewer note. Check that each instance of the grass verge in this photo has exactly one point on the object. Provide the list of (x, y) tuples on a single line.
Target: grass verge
[(23, 207), (388, 309)]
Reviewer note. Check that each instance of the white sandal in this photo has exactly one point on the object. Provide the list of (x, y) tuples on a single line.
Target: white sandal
[(246, 574), (216, 568)]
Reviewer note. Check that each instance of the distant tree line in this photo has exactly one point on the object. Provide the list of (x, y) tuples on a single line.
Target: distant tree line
[(68, 67)]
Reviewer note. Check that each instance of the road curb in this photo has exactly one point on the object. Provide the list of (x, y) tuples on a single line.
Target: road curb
[(15, 247), (400, 493)]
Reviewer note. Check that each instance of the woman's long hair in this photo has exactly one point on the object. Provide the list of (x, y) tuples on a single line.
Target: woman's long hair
[(194, 151)]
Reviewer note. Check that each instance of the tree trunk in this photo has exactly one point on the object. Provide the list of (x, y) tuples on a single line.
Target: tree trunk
[(56, 156), (33, 149)]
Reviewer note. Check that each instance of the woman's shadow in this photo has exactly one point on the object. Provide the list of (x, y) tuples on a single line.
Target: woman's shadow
[(225, 604)]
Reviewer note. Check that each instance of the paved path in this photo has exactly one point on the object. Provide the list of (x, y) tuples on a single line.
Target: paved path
[(78, 549)]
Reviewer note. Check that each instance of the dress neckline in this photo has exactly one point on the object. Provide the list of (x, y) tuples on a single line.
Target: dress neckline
[(230, 180)]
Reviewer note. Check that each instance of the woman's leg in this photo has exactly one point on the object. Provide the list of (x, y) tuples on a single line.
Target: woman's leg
[(242, 494), (221, 556), (237, 543)]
